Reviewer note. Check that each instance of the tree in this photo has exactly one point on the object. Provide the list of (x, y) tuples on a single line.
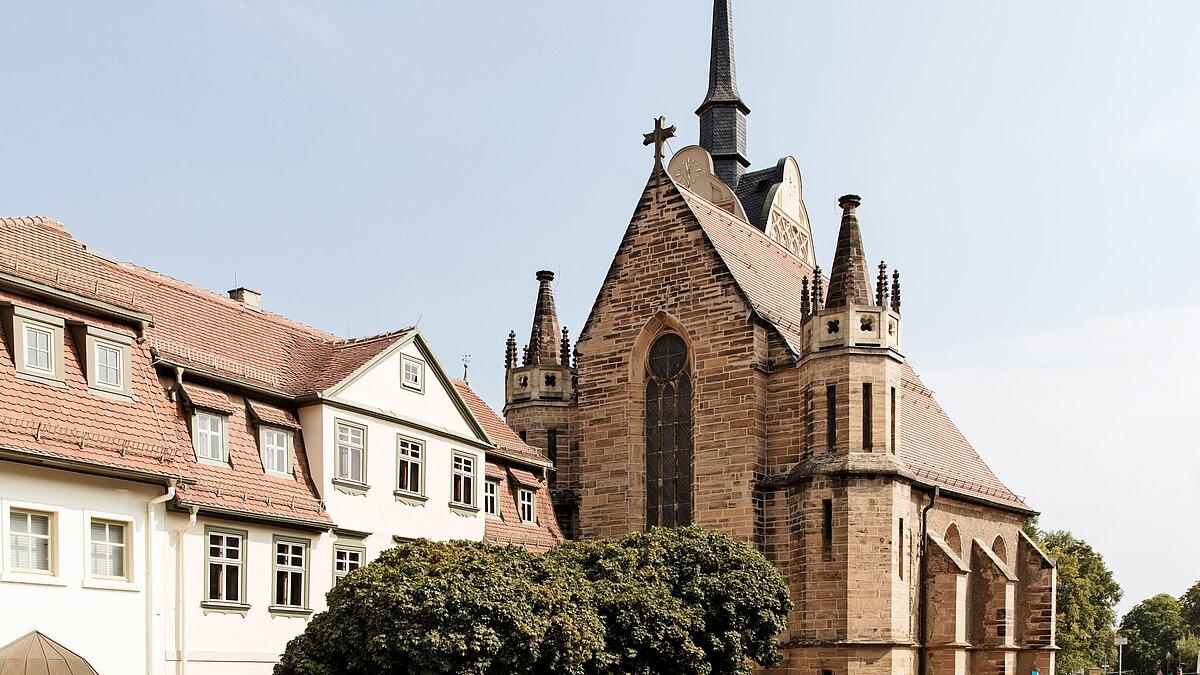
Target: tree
[(1087, 599), (1154, 627), (1189, 605), (732, 602), (681, 601)]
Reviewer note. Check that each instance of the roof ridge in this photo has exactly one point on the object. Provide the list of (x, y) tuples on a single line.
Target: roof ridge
[(49, 221), (162, 277), (350, 342)]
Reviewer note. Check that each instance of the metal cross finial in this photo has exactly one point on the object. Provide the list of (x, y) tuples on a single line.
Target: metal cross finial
[(658, 137)]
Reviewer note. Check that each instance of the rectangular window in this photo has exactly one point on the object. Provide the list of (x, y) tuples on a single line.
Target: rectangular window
[(831, 417), (351, 453), (413, 373), (276, 451), (868, 439), (827, 529), (346, 560), (552, 454), (491, 495), (108, 366), (225, 560), (900, 549), (39, 354), (30, 541), (210, 436), (528, 505), (893, 421), (411, 457), (289, 573), (109, 551), (464, 480)]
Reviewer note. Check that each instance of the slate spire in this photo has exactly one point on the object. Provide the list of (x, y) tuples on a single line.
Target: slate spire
[(848, 280), (723, 113), (545, 323)]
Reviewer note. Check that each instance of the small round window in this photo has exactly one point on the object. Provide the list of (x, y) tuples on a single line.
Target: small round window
[(668, 356)]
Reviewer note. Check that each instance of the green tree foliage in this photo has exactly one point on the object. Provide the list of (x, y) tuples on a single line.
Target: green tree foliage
[(1189, 605), (680, 601), (1087, 600), (1154, 627)]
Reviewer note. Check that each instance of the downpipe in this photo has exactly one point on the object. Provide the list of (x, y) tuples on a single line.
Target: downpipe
[(149, 526), (180, 604), (923, 599)]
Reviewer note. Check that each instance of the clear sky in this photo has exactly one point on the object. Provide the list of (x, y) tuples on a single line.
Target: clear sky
[(1031, 167)]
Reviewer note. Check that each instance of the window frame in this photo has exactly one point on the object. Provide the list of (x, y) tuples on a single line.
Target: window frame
[(523, 492), (51, 536), (348, 547), (456, 475), (401, 460), (243, 602), (19, 320), (99, 346), (405, 361), (223, 435), (28, 327), (304, 607), (288, 450), (130, 581), (492, 486), (358, 483)]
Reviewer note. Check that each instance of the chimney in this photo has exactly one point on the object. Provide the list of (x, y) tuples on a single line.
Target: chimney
[(251, 299)]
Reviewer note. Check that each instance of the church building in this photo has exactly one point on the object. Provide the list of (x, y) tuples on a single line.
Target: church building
[(723, 379)]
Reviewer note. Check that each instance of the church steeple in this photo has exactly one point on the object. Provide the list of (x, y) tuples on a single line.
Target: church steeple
[(723, 113), (848, 281)]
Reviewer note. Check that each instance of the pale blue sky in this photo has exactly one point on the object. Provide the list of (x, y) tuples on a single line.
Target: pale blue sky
[(1031, 168)]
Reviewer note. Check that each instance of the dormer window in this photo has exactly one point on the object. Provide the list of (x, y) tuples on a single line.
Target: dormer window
[(37, 342), (108, 365), (276, 446), (39, 355), (412, 373), (209, 437)]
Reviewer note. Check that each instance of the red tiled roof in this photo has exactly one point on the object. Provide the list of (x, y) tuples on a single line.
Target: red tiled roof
[(497, 430), (507, 528), (269, 414), (524, 478), (771, 279), (208, 399)]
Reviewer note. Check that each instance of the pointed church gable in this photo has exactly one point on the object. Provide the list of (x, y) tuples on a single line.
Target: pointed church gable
[(432, 400)]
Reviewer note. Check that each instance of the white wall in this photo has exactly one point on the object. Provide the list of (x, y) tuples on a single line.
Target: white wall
[(103, 622), (221, 641)]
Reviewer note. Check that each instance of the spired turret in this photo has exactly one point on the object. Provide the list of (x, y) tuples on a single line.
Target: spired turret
[(538, 391), (850, 315)]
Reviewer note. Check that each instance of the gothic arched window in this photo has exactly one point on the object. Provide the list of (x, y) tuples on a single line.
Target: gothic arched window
[(668, 433)]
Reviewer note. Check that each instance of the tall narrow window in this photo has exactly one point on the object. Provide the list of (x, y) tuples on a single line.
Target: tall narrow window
[(38, 354), (108, 550), (290, 569), (900, 549), (868, 440), (463, 480), (892, 430), (225, 558), (831, 417), (491, 495), (668, 433), (827, 529), (552, 454), (351, 453), (526, 500), (808, 420), (410, 459), (30, 541)]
